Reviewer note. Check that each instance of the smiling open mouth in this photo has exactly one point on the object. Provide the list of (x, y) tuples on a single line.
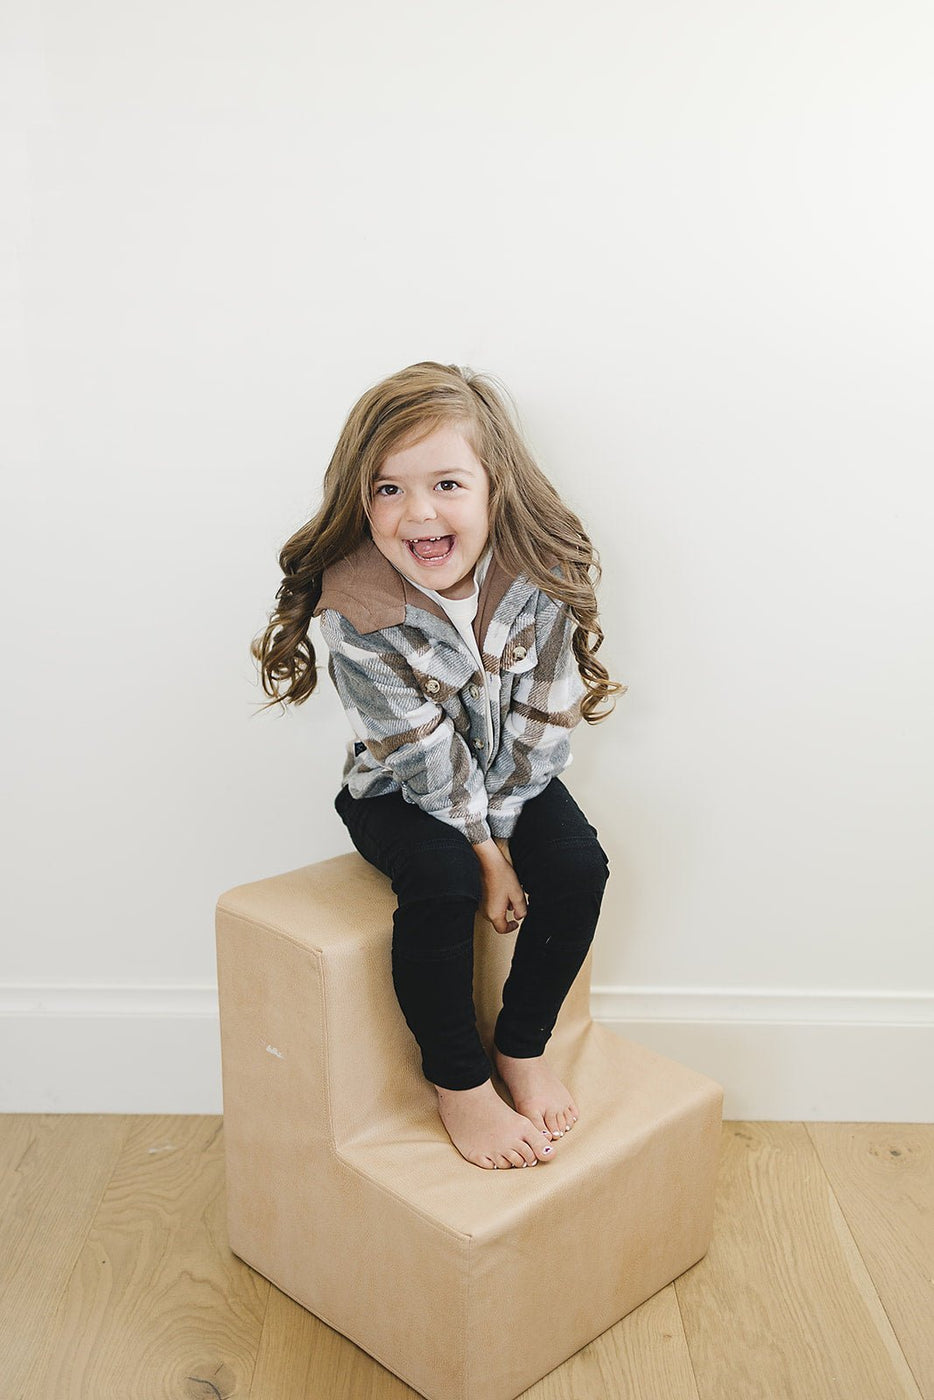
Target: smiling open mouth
[(431, 551)]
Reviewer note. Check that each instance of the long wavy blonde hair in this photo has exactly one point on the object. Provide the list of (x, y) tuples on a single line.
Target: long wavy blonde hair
[(530, 526)]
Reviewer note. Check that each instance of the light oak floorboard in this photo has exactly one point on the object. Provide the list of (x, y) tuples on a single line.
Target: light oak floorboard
[(644, 1356), (882, 1175), (157, 1305), (783, 1307), (301, 1357), (54, 1169), (117, 1281)]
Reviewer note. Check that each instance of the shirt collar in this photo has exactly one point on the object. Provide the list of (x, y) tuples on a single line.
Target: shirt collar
[(366, 589)]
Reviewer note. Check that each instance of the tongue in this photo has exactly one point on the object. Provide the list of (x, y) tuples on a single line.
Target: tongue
[(432, 549)]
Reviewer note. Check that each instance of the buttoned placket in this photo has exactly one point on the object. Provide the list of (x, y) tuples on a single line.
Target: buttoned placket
[(433, 685), (483, 748)]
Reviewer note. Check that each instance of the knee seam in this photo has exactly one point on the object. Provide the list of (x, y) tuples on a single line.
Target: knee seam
[(440, 899), (438, 955)]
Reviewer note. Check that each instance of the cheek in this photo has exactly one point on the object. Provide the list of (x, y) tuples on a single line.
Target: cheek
[(382, 517)]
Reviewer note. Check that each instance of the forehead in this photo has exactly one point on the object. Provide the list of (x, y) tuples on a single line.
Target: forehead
[(444, 450)]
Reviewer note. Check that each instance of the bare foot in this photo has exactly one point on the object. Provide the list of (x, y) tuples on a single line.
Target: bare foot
[(537, 1092), (487, 1132)]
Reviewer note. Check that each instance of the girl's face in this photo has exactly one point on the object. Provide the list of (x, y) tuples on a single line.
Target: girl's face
[(436, 490)]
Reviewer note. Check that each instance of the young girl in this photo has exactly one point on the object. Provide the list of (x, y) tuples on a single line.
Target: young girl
[(453, 590)]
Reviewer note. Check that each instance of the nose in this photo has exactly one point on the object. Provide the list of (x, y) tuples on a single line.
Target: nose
[(422, 508)]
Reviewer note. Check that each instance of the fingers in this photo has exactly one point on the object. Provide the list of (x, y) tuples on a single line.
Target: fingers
[(516, 901), (509, 921), (505, 904), (505, 923)]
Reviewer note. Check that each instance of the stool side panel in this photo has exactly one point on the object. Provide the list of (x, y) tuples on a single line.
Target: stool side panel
[(404, 1286), (276, 1112), (348, 1250)]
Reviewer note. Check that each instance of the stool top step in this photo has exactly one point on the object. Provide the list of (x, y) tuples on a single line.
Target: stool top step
[(320, 906)]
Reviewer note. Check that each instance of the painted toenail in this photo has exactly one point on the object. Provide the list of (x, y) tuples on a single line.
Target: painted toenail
[(546, 1149)]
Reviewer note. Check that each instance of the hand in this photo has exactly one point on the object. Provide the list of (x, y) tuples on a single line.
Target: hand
[(502, 891), (503, 901)]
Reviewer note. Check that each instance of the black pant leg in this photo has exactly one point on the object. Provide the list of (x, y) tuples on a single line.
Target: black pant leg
[(564, 870), (435, 875)]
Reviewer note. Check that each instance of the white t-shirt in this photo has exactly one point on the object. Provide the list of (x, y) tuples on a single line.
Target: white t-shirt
[(462, 612)]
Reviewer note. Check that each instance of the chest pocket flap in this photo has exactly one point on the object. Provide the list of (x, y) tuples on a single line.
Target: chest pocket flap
[(442, 671)]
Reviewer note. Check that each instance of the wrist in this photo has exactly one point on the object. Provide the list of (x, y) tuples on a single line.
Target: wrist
[(488, 853)]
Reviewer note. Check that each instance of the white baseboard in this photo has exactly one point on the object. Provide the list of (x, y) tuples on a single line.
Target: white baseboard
[(780, 1055), (116, 1049), (833, 1057)]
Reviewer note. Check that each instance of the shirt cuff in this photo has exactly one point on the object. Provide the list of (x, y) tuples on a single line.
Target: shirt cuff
[(502, 824), (474, 828), (478, 832)]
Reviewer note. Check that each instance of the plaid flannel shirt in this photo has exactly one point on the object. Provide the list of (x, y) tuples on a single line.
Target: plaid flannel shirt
[(414, 697)]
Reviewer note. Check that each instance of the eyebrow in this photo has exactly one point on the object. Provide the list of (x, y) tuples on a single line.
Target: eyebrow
[(440, 472)]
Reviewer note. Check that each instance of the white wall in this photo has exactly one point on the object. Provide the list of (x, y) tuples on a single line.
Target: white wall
[(694, 240)]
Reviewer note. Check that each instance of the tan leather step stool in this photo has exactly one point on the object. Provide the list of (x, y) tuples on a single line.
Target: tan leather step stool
[(344, 1189)]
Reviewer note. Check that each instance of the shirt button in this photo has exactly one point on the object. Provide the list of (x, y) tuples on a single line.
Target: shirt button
[(432, 686), (478, 743), (518, 653), (473, 691)]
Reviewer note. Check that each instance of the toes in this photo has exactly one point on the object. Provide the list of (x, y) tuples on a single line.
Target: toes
[(535, 1139), (551, 1122)]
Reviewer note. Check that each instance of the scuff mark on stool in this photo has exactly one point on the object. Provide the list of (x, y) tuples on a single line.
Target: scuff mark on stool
[(271, 1050)]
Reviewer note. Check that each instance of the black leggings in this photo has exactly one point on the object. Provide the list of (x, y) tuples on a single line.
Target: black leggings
[(435, 875)]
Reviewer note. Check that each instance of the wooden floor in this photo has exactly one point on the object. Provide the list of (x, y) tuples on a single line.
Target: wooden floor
[(117, 1283)]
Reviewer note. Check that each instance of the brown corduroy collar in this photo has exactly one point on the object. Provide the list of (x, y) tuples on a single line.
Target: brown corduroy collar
[(366, 589)]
